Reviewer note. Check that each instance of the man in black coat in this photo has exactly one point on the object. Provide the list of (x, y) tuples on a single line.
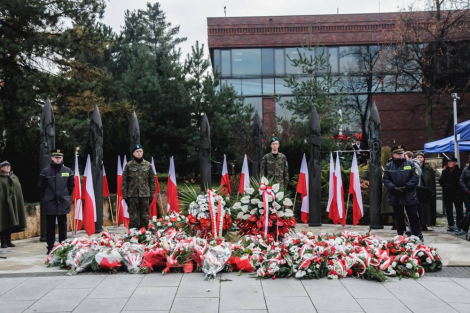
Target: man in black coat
[(56, 184), (452, 193), (401, 178)]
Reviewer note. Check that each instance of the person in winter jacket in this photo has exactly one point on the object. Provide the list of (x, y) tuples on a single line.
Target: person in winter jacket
[(452, 192), (56, 184), (401, 178), (427, 209), (465, 184), (12, 209)]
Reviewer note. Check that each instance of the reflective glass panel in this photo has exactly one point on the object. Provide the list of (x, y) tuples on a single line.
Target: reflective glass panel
[(246, 62), (225, 63), (267, 59), (251, 87), (279, 59), (268, 86), (333, 60)]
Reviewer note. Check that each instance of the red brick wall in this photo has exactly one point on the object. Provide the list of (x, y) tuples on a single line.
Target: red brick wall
[(403, 119), (289, 31), (269, 114)]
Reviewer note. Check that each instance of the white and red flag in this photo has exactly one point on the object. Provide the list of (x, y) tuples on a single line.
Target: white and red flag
[(225, 181), (302, 189), (121, 205), (153, 205), (172, 190), (245, 176), (77, 198), (124, 162), (355, 190), (88, 196), (332, 206), (339, 192), (105, 185)]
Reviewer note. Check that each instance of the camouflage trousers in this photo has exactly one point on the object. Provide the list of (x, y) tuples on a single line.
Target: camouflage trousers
[(138, 209)]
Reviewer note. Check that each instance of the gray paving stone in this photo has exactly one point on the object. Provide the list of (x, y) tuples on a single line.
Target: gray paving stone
[(197, 279), (447, 291), (101, 305), (205, 291), (405, 283), (382, 306), (460, 307), (363, 289), (241, 298), (243, 311), (283, 287), (337, 311), (32, 289), (60, 300), (191, 305), (428, 302), (151, 298), (116, 287), (464, 282), (6, 284), (16, 306), (77, 281), (159, 280), (245, 279), (329, 283), (286, 304), (327, 298)]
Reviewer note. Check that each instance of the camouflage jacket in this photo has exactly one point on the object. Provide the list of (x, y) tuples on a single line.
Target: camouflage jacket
[(276, 168), (138, 180)]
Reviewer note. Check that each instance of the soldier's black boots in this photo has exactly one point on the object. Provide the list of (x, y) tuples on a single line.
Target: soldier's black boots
[(10, 244), (4, 244)]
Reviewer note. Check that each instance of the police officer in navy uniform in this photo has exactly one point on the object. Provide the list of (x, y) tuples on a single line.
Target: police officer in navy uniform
[(401, 178), (56, 184)]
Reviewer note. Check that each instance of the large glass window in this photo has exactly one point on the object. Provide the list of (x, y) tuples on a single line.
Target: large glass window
[(226, 69), (333, 60), (279, 60), (280, 88), (347, 61), (216, 64), (256, 103), (246, 61), (251, 87), (268, 86), (267, 61)]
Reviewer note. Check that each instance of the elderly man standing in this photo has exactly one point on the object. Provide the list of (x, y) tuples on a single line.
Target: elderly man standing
[(401, 178), (274, 165), (138, 187), (12, 211), (427, 208)]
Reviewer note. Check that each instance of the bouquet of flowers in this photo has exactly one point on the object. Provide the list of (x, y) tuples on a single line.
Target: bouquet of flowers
[(209, 216), (215, 259), (171, 220), (264, 210), (142, 235), (110, 260)]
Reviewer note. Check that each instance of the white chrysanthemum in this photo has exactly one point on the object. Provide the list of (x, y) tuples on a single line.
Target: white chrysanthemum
[(261, 211), (287, 202), (420, 253), (246, 216), (409, 266), (167, 218), (394, 264)]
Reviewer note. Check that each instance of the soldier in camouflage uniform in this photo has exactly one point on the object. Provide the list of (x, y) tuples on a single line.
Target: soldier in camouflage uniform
[(138, 186), (274, 165)]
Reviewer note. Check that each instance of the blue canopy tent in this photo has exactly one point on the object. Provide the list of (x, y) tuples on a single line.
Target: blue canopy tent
[(445, 145), (462, 131)]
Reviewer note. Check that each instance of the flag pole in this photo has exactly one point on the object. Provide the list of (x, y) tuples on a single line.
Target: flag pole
[(161, 202), (347, 205), (111, 209), (295, 199), (117, 211)]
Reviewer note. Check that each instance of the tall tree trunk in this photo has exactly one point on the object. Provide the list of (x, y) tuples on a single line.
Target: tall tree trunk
[(428, 117)]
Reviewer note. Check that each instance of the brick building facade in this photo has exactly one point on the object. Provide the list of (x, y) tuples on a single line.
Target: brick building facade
[(238, 39)]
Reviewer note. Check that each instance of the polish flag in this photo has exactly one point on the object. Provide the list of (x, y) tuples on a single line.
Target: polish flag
[(245, 177), (88, 196), (105, 185), (153, 204), (172, 190), (339, 192), (355, 190), (121, 205), (77, 197), (332, 207), (225, 181), (124, 162), (302, 189)]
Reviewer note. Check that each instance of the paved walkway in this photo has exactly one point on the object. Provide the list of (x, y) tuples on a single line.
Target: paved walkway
[(229, 294), (86, 292)]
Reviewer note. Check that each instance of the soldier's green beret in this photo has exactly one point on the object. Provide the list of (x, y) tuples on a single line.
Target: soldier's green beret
[(273, 140)]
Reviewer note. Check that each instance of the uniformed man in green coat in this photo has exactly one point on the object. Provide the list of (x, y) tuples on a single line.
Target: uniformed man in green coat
[(12, 210), (138, 187), (274, 165)]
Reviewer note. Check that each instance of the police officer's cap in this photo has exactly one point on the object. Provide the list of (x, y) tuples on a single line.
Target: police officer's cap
[(273, 140), (58, 153), (4, 163), (398, 149), (136, 147)]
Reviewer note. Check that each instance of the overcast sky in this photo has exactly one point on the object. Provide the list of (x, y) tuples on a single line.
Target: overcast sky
[(192, 15)]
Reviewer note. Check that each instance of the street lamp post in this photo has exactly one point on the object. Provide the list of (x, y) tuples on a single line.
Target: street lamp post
[(456, 143)]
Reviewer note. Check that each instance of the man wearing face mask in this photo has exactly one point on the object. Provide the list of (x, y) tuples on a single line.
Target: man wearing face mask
[(138, 187), (56, 184), (401, 178), (274, 165)]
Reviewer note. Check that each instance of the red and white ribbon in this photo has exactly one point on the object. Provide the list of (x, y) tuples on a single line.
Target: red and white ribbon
[(266, 191), (217, 218)]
